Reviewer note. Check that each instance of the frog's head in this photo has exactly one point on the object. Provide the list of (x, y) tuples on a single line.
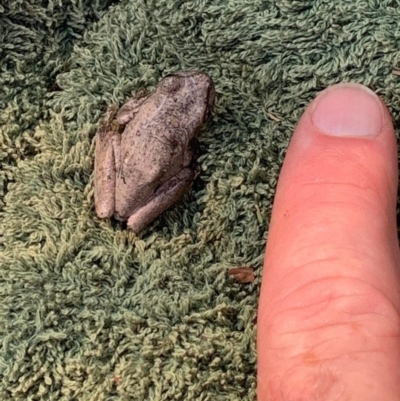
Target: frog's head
[(193, 89)]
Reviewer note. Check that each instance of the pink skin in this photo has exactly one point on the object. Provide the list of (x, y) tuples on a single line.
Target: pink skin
[(329, 312)]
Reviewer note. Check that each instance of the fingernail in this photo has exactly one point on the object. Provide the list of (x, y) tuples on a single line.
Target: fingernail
[(348, 110)]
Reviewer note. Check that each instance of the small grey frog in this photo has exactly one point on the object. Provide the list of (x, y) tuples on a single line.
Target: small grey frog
[(143, 171)]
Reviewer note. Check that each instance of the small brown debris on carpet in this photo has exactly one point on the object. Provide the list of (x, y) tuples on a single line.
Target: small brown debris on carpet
[(243, 275)]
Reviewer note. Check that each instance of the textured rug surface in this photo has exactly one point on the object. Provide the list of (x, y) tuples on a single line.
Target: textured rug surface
[(91, 312)]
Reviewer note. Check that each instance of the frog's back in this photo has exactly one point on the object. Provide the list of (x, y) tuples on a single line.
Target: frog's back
[(154, 146), (150, 156)]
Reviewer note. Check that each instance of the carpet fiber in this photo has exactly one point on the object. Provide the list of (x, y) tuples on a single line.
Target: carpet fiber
[(91, 312)]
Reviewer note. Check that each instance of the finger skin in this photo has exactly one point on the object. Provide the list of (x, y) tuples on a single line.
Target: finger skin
[(328, 318)]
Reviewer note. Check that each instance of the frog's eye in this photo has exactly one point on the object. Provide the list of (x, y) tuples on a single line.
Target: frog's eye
[(171, 84)]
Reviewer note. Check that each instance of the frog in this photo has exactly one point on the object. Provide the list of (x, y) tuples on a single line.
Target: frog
[(146, 152)]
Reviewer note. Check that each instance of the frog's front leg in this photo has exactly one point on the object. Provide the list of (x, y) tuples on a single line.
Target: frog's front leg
[(128, 111), (107, 164), (165, 196)]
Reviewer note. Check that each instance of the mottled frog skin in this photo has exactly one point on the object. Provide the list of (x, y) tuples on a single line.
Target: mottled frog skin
[(143, 171)]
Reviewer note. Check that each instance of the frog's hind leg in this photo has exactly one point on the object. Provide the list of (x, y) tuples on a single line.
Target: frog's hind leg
[(165, 196), (107, 162)]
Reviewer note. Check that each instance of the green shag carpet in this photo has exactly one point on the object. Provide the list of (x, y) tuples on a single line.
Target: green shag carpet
[(89, 311)]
